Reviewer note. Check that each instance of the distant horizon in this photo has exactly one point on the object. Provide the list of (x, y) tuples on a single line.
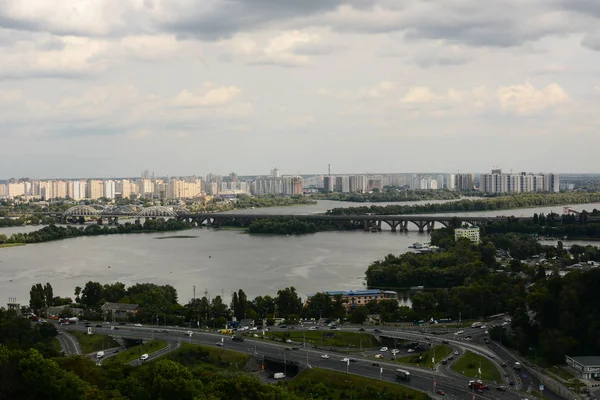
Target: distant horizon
[(303, 175)]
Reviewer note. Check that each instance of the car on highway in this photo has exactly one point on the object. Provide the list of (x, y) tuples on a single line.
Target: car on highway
[(345, 359), (410, 350), (164, 330), (375, 364), (445, 341), (483, 327), (378, 355), (487, 341), (441, 393), (288, 340), (376, 330), (312, 328), (444, 362), (486, 332), (361, 330), (325, 356), (456, 353), (353, 360), (450, 358), (383, 349), (501, 388), (144, 357), (220, 344), (395, 351), (106, 323), (460, 332), (138, 324), (98, 326), (188, 333), (115, 327), (295, 348)]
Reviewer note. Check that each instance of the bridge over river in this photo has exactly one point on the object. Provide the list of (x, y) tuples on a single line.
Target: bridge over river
[(369, 222)]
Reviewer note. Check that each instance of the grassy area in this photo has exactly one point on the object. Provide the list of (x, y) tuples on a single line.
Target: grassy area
[(193, 355), (328, 338), (561, 372), (424, 359), (11, 245), (94, 342), (325, 384), (468, 365), (136, 352)]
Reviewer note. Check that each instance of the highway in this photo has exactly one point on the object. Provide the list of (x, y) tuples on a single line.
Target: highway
[(454, 386)]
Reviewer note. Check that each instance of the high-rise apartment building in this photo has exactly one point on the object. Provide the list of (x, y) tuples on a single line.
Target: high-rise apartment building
[(328, 183), (357, 183), (464, 182), (79, 190), (146, 189), (95, 189), (109, 189), (342, 184), (498, 182)]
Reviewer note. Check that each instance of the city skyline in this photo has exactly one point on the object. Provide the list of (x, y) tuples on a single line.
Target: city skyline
[(367, 85)]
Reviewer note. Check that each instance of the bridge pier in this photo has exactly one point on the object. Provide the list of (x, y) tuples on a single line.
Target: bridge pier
[(430, 226), (403, 226), (421, 225)]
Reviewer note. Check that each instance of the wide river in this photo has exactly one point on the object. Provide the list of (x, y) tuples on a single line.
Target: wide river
[(219, 261)]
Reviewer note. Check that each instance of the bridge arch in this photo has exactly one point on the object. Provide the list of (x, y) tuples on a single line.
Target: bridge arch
[(81, 211), (156, 211)]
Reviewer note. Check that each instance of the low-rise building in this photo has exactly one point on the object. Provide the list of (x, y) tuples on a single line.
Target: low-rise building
[(471, 233), (587, 367), (356, 298), (120, 309)]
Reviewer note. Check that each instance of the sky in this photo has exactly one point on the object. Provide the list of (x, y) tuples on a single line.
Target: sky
[(109, 88)]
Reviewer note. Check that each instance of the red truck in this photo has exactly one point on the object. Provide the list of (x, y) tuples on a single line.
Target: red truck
[(476, 385)]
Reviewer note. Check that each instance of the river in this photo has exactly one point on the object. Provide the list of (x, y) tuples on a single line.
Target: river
[(219, 261)]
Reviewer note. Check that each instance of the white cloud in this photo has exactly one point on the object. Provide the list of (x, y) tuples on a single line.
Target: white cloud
[(419, 94), (279, 50), (209, 97), (323, 92), (525, 99)]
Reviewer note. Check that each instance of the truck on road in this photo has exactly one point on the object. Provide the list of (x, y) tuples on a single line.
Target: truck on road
[(476, 324)]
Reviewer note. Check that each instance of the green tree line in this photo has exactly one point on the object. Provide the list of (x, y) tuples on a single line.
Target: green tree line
[(390, 194), (54, 232)]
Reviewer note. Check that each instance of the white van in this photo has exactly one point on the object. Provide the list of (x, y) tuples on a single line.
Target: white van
[(144, 357), (99, 355), (279, 375)]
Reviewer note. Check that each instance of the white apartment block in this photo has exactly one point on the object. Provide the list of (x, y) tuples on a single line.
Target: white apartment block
[(498, 182)]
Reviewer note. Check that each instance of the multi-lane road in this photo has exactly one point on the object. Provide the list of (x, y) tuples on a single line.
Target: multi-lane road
[(452, 384)]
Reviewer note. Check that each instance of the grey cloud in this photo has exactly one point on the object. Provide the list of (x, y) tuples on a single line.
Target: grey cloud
[(432, 60), (228, 18), (592, 41), (52, 44), (316, 49)]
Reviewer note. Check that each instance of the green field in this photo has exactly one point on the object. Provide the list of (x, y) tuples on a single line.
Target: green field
[(319, 383), (136, 352), (424, 359), (327, 338), (193, 355), (468, 365), (92, 343), (561, 372)]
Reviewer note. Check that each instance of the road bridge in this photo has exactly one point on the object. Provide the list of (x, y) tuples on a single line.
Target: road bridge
[(367, 222)]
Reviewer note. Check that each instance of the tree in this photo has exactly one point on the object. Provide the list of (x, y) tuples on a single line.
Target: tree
[(287, 302), (243, 304), (235, 304), (424, 304), (3, 239), (91, 294), (359, 315), (77, 293), (48, 294), (114, 293), (37, 298)]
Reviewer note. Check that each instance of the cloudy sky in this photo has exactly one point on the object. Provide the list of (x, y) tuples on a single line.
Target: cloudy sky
[(109, 88)]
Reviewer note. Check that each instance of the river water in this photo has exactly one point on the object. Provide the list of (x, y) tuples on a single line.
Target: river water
[(219, 261)]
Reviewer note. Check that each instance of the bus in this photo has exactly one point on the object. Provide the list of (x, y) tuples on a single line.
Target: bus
[(476, 324), (402, 374)]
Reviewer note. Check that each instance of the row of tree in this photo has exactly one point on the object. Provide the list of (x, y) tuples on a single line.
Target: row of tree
[(54, 232), (496, 203), (390, 194)]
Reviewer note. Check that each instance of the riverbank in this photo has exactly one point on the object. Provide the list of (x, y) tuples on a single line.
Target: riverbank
[(5, 245)]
